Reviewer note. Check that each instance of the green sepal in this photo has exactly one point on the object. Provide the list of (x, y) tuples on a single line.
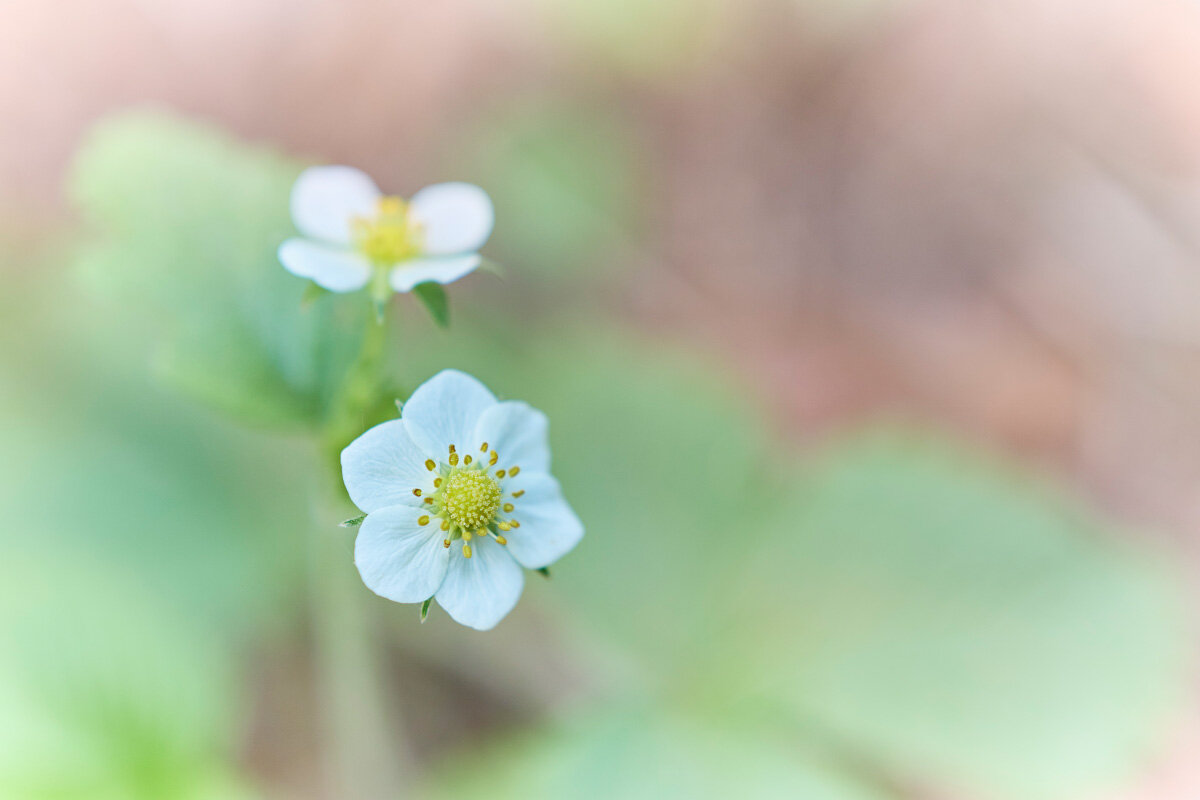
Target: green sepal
[(494, 267), (353, 522), (545, 572), (312, 293), (433, 296), (425, 608)]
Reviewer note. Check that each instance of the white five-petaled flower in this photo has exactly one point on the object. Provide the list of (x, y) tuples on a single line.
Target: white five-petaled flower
[(458, 497), (359, 236)]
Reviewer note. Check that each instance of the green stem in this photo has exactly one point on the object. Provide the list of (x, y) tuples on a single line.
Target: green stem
[(365, 754)]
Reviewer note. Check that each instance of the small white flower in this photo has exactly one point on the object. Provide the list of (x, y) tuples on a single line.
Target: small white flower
[(357, 235), (458, 497)]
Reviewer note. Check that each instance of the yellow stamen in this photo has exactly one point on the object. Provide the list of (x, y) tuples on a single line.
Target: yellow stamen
[(508, 507), (429, 465), (499, 473), (501, 540), (466, 551), (514, 523), (445, 524), (438, 482), (495, 457), (515, 494), (483, 447), (423, 519), (466, 459), (504, 526), (512, 473), (417, 492)]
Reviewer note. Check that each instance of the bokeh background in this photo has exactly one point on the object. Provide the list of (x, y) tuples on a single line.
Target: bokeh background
[(870, 336)]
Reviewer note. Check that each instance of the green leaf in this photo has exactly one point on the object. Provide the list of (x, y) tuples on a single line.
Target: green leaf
[(311, 293), (647, 754), (433, 296), (186, 226), (354, 522), (950, 620), (568, 178), (425, 608)]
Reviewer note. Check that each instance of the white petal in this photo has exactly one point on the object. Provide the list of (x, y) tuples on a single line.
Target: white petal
[(457, 217), (549, 528), (397, 557), (479, 591), (518, 432), (408, 274), (335, 269), (444, 411), (383, 466), (326, 199)]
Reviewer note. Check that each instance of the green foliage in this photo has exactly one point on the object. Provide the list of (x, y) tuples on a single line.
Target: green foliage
[(646, 755), (949, 617), (565, 183), (433, 297), (187, 223)]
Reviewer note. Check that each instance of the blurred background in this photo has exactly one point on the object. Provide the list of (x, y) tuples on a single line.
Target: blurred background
[(870, 335)]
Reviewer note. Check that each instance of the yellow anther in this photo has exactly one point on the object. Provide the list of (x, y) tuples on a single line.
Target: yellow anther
[(504, 526), (512, 473), (390, 206), (438, 482), (416, 492), (428, 499), (423, 519), (445, 542), (499, 473), (453, 458), (483, 447), (467, 536), (429, 465), (501, 540), (514, 523), (466, 551), (389, 236), (466, 459), (508, 506), (494, 458), (452, 448), (517, 493), (445, 524)]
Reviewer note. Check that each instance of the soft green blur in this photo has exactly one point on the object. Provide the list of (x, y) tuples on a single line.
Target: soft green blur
[(748, 616)]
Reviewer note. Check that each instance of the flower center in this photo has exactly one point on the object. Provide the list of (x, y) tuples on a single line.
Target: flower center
[(467, 494), (470, 498), (390, 236)]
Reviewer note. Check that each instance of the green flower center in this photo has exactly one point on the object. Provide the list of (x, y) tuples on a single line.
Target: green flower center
[(470, 498), (390, 236)]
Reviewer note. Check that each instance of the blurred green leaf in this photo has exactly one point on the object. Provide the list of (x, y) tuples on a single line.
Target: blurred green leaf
[(950, 619), (104, 693), (187, 223), (565, 181), (433, 297), (649, 755)]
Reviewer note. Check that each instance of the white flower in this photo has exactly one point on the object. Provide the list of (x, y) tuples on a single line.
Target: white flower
[(458, 497), (357, 235)]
